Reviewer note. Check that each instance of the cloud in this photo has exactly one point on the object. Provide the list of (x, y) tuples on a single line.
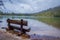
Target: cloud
[(19, 8), (30, 6)]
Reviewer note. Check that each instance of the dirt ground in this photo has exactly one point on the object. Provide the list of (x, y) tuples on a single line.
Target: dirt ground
[(8, 36)]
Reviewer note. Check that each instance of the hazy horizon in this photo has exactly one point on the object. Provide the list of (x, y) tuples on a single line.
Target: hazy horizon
[(28, 6)]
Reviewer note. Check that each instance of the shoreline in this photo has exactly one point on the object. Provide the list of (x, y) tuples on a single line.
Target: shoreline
[(4, 35), (8, 36)]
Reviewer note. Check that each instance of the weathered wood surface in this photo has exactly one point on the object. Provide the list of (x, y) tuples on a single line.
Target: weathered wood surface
[(17, 22), (21, 23), (18, 28)]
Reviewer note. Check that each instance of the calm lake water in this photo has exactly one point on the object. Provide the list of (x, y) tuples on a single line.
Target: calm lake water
[(37, 27)]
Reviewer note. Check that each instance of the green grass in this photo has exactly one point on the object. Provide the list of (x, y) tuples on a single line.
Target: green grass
[(54, 21)]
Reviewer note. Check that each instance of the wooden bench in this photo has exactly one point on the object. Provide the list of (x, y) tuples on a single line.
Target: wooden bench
[(21, 22)]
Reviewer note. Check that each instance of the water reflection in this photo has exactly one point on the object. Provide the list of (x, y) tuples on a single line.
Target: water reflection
[(37, 27)]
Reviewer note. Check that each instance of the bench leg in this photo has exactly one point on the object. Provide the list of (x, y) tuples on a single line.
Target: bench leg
[(10, 28)]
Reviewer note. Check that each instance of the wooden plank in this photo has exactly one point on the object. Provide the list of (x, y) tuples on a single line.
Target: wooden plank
[(17, 22), (18, 28)]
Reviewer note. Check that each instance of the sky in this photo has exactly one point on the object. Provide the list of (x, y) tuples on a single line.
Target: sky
[(28, 6)]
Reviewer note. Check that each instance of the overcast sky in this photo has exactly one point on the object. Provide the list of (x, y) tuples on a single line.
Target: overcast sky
[(29, 6)]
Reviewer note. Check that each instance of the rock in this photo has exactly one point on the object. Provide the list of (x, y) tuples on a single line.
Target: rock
[(0, 21)]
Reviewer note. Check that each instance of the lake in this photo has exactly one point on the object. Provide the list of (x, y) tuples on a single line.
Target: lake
[(37, 27)]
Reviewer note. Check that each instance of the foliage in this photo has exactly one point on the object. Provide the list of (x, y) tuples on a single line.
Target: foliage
[(52, 12)]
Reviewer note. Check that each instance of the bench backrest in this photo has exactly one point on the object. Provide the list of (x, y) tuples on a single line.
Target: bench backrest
[(19, 22)]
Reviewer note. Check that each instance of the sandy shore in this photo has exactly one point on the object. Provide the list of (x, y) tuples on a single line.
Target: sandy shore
[(8, 36)]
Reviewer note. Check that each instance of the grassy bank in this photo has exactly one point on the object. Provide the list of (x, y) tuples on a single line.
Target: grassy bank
[(55, 21)]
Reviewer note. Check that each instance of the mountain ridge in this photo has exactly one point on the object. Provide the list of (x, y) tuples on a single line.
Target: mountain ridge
[(50, 12)]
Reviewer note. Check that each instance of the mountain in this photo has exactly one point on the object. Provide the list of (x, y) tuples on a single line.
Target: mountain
[(50, 12)]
